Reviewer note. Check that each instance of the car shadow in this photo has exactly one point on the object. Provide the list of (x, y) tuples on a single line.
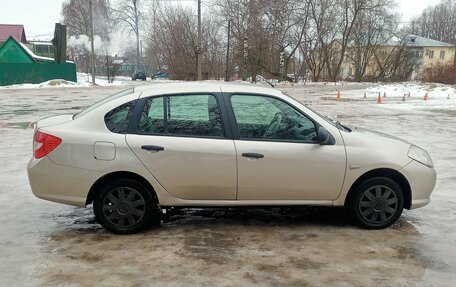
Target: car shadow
[(83, 221), (323, 216)]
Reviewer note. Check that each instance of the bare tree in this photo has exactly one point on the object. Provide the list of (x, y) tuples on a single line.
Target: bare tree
[(314, 55), (285, 24), (395, 63), (321, 35), (271, 28), (75, 14), (372, 30), (76, 17), (128, 15), (345, 15), (436, 22), (174, 41), (314, 35)]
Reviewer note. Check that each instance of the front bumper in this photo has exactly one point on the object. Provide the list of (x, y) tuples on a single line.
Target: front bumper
[(422, 181), (60, 183)]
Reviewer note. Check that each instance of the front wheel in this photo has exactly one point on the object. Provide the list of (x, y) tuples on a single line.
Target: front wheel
[(125, 206), (376, 203)]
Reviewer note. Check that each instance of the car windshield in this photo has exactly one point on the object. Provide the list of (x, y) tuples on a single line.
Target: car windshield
[(326, 118), (330, 120), (103, 101)]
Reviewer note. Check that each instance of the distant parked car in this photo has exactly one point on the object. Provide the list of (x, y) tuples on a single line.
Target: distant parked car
[(206, 145), (138, 75), (160, 75)]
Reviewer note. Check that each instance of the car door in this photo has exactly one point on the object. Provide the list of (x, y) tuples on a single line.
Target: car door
[(181, 140), (277, 153)]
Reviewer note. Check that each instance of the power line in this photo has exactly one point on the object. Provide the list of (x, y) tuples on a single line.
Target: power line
[(40, 35)]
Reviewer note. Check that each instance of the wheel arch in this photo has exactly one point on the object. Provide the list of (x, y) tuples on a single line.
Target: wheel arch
[(115, 175), (392, 174)]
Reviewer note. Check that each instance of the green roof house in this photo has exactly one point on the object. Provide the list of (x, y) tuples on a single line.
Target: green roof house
[(18, 65)]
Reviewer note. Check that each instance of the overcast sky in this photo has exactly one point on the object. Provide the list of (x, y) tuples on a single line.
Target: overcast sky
[(39, 17)]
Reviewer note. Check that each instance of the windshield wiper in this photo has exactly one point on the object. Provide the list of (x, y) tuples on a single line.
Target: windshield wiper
[(342, 127)]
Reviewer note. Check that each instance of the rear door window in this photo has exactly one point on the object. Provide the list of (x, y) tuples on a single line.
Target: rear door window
[(182, 115)]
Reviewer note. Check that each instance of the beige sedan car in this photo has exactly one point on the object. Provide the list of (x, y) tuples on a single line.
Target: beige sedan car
[(207, 145)]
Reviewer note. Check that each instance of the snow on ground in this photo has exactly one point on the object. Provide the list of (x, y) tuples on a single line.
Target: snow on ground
[(416, 96), (398, 96), (83, 80), (404, 96), (415, 90)]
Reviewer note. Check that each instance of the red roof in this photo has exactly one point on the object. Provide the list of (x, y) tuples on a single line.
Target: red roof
[(17, 31)]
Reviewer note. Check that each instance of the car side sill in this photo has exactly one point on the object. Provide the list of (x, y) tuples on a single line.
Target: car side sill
[(230, 203)]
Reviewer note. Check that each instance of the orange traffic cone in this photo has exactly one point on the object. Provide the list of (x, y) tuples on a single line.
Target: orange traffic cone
[(426, 97), (338, 96), (379, 99)]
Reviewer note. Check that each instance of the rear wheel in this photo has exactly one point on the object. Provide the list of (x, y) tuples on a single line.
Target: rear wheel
[(125, 206), (376, 203)]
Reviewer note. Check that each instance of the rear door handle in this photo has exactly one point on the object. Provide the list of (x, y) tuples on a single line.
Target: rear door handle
[(153, 147), (252, 155)]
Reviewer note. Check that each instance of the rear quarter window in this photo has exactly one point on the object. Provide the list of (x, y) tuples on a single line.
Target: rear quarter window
[(117, 120)]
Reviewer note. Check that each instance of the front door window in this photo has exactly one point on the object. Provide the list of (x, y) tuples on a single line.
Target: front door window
[(268, 118)]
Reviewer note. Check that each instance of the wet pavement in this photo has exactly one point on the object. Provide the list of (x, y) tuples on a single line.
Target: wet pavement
[(48, 244)]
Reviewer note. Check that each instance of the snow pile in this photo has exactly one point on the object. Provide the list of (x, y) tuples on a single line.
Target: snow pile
[(415, 90), (415, 96), (83, 80)]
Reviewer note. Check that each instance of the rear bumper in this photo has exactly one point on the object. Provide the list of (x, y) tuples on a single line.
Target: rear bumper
[(422, 181), (60, 183)]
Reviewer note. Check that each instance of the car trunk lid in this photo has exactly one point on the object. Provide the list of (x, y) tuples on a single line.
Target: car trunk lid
[(53, 120)]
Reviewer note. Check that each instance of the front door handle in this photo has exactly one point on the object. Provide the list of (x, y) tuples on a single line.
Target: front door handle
[(153, 147), (252, 155)]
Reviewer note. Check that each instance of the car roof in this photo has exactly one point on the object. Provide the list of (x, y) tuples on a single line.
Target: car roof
[(208, 87)]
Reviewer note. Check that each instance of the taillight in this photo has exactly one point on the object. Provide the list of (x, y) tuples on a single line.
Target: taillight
[(44, 143)]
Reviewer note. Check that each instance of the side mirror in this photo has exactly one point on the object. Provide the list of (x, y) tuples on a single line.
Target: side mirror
[(324, 137)]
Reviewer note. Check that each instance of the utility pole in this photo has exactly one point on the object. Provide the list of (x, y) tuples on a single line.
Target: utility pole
[(92, 47), (107, 67), (198, 52), (282, 66), (227, 75), (138, 56), (246, 51)]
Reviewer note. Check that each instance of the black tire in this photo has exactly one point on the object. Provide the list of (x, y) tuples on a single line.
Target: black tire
[(125, 206), (376, 203)]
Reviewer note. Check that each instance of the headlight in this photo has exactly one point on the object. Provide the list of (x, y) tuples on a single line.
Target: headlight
[(420, 155)]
